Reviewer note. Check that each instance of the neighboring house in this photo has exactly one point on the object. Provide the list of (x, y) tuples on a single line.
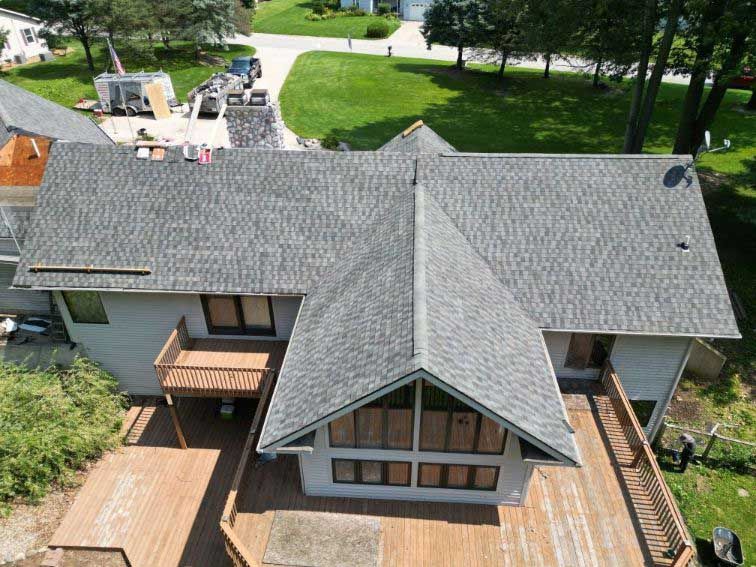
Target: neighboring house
[(407, 9), (29, 125), (425, 299), (23, 44)]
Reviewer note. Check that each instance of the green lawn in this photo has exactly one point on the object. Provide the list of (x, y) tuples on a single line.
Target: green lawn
[(288, 17), (709, 498), (365, 100), (67, 79)]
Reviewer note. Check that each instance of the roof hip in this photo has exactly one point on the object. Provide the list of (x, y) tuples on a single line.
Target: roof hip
[(419, 297)]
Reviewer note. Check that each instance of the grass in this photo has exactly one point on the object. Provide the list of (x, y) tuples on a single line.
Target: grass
[(709, 498), (288, 17), (67, 79), (51, 422), (367, 99)]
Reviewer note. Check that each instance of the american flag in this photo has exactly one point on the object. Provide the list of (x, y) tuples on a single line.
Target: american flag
[(116, 62)]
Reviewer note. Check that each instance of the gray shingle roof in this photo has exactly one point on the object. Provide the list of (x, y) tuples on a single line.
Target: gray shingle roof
[(18, 218), (412, 294), (590, 242), (584, 242), (27, 112), (421, 140)]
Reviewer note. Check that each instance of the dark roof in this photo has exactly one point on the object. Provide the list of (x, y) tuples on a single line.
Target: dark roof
[(26, 112), (417, 139), (413, 295), (584, 242)]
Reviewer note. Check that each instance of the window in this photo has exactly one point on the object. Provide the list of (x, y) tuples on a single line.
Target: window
[(239, 315), (643, 409), (85, 307), (448, 425), (466, 477), (388, 473), (385, 423), (29, 36), (588, 351)]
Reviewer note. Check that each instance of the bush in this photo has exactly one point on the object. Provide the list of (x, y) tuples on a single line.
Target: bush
[(377, 29), (318, 7), (355, 11), (384, 8), (313, 17), (330, 142), (51, 422), (52, 39)]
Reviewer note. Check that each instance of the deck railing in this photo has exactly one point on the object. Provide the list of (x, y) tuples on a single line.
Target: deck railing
[(237, 551), (195, 380), (648, 473)]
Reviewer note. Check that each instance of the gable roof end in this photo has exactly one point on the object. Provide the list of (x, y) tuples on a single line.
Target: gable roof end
[(416, 140), (23, 111)]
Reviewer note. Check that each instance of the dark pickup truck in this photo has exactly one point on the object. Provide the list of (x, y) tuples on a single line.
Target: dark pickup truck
[(249, 68)]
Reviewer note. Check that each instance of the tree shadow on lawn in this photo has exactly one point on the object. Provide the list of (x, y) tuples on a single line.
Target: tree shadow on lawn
[(520, 113)]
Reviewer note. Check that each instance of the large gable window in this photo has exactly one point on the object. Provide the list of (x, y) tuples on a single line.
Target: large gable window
[(239, 315), (385, 423), (85, 307), (588, 351), (448, 425)]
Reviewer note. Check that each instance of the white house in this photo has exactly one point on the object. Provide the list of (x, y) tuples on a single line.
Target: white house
[(413, 10), (23, 44)]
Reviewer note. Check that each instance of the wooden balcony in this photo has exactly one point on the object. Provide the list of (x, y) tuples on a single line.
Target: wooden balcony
[(198, 367), (614, 510)]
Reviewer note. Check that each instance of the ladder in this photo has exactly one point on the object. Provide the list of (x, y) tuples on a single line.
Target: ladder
[(58, 330)]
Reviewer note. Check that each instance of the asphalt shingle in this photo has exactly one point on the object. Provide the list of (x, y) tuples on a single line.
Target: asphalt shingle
[(32, 114)]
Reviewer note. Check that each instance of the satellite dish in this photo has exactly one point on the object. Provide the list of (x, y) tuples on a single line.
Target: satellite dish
[(727, 144), (707, 137)]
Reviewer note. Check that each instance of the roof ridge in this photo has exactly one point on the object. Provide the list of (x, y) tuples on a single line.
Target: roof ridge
[(419, 289)]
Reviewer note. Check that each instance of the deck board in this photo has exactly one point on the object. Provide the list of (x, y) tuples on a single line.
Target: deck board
[(159, 504), (572, 516), (234, 353)]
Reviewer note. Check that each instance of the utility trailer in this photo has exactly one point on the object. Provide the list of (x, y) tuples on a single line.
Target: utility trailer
[(215, 92), (127, 94)]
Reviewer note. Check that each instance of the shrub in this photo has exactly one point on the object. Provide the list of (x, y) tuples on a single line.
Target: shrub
[(355, 11), (318, 7), (330, 142), (313, 17), (51, 422), (384, 8), (378, 29), (53, 40)]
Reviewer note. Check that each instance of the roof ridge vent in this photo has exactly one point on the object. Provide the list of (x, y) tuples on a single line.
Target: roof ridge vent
[(419, 298)]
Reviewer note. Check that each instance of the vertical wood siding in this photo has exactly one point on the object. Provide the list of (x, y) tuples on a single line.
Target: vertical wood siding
[(20, 300), (139, 324)]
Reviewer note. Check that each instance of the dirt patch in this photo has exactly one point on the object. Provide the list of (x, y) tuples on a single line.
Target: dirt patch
[(29, 527), (711, 181)]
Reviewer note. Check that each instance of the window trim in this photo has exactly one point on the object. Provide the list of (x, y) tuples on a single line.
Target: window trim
[(444, 478), (447, 440), (358, 472), (27, 40), (384, 425), (242, 329), (64, 294)]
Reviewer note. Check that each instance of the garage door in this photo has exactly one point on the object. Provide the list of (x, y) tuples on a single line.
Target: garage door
[(415, 11)]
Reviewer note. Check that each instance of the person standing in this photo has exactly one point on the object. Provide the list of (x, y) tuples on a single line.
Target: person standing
[(689, 450), (349, 41)]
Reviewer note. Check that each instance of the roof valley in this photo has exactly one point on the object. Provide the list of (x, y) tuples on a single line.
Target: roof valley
[(419, 298)]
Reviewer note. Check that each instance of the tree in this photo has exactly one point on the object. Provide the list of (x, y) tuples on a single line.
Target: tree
[(547, 27), (500, 29), (212, 21), (608, 35), (458, 23), (719, 33), (78, 18), (170, 19), (123, 18), (3, 35), (642, 105), (243, 15)]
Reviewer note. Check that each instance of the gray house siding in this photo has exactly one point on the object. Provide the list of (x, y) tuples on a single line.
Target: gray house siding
[(14, 301), (139, 324), (557, 344), (649, 368)]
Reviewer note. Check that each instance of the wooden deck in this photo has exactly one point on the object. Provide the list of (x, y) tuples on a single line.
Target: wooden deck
[(157, 503), (573, 516), (216, 367)]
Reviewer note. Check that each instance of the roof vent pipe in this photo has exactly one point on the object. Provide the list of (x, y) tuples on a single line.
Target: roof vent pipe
[(685, 244)]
